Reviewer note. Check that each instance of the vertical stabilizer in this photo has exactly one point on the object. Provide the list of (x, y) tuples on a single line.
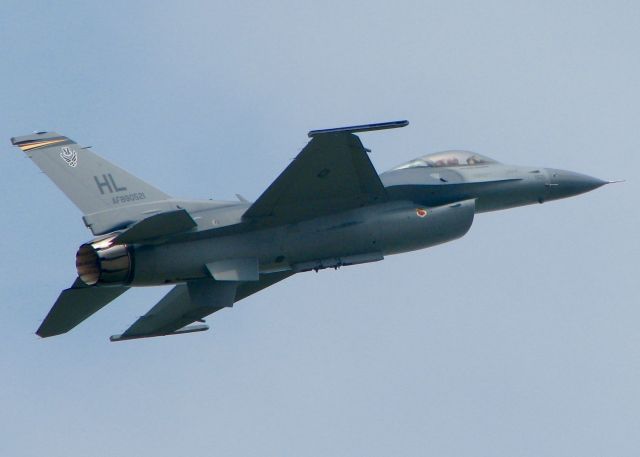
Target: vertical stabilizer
[(92, 183)]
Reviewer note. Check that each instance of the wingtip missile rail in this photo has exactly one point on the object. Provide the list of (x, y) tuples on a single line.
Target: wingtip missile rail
[(361, 128)]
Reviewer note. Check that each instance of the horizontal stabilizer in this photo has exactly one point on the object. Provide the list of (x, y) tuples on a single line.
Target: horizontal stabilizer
[(156, 226), (76, 304), (187, 329)]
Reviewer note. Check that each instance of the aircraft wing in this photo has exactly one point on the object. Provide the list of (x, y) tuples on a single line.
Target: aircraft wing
[(191, 302), (332, 173)]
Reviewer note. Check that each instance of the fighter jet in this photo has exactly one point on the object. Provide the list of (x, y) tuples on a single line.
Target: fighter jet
[(329, 208)]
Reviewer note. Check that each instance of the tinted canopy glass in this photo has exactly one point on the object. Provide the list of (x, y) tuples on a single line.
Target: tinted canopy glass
[(448, 159)]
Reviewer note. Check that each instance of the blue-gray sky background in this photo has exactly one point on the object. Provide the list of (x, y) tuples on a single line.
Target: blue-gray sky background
[(521, 339)]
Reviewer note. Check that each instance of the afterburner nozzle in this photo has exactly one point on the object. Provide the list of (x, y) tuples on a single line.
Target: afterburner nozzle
[(102, 262)]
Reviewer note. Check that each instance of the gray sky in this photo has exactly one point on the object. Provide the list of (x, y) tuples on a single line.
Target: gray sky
[(521, 339)]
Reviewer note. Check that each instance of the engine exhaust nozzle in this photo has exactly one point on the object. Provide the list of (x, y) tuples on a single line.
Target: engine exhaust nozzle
[(102, 262)]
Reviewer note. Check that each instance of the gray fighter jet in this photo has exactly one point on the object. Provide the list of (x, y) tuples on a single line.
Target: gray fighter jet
[(329, 208)]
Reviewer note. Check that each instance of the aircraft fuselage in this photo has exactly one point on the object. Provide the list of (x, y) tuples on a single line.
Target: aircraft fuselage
[(427, 208)]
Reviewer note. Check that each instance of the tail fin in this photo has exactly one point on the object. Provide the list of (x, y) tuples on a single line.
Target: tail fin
[(92, 183)]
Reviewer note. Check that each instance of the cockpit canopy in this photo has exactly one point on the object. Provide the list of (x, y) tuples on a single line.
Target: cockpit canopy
[(447, 159)]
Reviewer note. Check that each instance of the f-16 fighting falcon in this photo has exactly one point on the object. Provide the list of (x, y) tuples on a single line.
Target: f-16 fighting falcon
[(329, 208)]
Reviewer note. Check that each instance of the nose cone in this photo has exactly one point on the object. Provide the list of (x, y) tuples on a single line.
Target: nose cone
[(563, 183)]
